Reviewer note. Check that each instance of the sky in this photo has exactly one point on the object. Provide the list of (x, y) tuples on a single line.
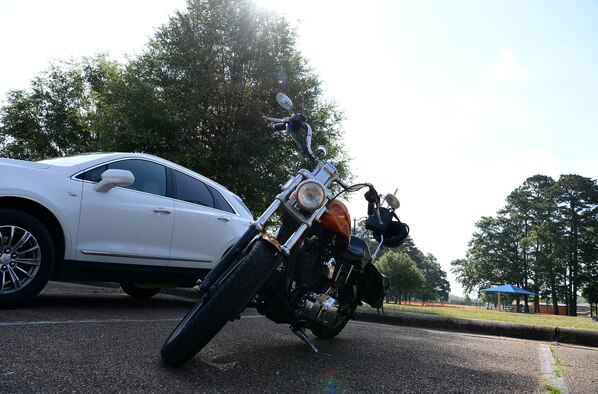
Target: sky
[(451, 103)]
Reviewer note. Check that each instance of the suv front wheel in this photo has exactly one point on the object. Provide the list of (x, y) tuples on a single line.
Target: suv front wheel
[(26, 257)]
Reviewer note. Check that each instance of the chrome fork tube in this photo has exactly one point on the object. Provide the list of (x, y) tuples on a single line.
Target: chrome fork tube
[(286, 248), (267, 213)]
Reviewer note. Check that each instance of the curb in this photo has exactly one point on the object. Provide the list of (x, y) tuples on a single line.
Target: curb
[(522, 331)]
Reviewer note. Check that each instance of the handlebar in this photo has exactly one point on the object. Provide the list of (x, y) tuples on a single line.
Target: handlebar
[(294, 124)]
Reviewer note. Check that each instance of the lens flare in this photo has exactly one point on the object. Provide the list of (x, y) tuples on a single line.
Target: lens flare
[(282, 80), (330, 381)]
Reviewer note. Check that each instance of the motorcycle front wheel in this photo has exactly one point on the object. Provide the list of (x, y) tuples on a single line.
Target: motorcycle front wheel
[(230, 294)]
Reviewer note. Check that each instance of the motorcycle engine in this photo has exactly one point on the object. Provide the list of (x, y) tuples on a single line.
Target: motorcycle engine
[(320, 308), (307, 270), (316, 288), (318, 277)]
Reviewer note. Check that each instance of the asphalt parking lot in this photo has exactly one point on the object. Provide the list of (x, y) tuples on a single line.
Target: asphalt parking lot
[(75, 338)]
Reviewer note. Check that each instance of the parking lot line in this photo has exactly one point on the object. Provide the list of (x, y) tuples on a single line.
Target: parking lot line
[(98, 321), (93, 321)]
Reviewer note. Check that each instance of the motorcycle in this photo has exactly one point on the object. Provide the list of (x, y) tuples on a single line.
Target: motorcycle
[(311, 273)]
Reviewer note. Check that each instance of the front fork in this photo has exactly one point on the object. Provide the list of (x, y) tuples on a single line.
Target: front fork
[(254, 229), (227, 260)]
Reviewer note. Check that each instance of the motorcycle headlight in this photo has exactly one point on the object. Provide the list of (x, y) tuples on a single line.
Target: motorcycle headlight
[(310, 195)]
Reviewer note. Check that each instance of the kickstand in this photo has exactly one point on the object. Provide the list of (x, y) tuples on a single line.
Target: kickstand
[(301, 334)]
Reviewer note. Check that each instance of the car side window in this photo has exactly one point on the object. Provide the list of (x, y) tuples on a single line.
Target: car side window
[(195, 191), (192, 190), (219, 201), (149, 177)]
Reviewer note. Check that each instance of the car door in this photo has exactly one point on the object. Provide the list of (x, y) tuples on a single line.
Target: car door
[(130, 225), (203, 225)]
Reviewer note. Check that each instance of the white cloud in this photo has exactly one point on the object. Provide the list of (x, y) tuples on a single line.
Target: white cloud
[(504, 70)]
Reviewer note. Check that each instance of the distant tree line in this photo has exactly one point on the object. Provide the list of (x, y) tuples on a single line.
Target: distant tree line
[(411, 273), (195, 96), (545, 240)]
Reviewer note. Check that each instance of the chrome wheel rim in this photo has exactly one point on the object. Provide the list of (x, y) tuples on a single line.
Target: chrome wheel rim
[(20, 258)]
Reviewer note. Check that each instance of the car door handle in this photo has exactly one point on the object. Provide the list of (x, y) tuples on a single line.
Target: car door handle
[(223, 219), (162, 210)]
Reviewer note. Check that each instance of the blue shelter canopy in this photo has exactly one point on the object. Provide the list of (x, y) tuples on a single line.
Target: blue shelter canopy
[(508, 289)]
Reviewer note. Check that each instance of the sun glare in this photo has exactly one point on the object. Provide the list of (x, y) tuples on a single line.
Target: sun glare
[(281, 6)]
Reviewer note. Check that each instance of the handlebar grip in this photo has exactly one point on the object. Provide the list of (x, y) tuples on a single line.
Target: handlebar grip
[(279, 126)]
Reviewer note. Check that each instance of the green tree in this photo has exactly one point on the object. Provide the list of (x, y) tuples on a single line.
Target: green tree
[(531, 208), (55, 116), (403, 275), (578, 202), (195, 96), (437, 287), (466, 273), (493, 255), (590, 293), (213, 72), (545, 237), (408, 247)]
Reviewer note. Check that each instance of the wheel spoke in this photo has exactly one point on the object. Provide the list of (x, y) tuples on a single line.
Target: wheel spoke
[(25, 272), (31, 249), (19, 268), (15, 279), (22, 241), (11, 236), (35, 262)]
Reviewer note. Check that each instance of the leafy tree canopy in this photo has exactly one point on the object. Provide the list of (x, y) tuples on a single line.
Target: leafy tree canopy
[(195, 96), (402, 272)]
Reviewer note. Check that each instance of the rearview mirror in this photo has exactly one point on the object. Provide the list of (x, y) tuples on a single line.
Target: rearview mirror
[(113, 178), (284, 101), (392, 201)]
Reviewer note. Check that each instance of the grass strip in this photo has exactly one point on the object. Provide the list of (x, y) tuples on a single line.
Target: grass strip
[(472, 312)]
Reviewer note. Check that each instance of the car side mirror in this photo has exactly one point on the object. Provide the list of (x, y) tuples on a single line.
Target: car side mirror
[(113, 178)]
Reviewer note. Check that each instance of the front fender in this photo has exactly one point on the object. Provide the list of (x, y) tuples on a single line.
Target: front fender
[(272, 241), (67, 214)]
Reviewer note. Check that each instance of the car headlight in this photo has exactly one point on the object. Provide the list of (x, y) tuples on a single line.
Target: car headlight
[(310, 195)]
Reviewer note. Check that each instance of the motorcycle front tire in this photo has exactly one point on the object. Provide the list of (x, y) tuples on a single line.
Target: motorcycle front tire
[(233, 291)]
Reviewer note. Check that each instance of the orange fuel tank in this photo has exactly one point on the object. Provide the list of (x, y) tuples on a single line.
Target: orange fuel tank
[(337, 220)]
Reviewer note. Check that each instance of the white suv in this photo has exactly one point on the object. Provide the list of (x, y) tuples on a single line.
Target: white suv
[(130, 218)]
